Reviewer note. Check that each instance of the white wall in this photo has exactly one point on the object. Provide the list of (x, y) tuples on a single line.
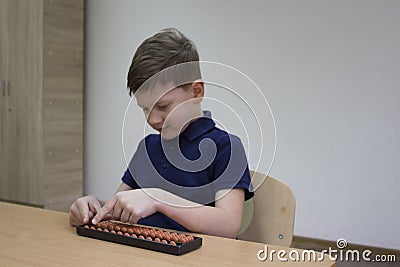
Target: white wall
[(330, 70)]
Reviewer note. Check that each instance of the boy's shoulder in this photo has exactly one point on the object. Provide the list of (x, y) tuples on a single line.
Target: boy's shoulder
[(221, 136)]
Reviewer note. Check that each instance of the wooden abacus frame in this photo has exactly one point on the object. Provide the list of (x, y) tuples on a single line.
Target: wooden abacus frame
[(185, 245)]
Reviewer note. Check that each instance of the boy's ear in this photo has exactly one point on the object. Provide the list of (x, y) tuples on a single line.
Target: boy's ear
[(198, 90)]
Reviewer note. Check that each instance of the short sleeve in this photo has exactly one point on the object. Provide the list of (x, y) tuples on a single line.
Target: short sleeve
[(230, 168), (127, 178)]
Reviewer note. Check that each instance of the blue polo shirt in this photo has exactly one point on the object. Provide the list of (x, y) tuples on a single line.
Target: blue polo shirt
[(202, 160)]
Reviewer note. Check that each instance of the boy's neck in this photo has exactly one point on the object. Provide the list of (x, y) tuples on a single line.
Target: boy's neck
[(200, 115)]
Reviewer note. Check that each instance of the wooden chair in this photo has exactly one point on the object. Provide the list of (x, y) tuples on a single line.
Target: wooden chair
[(269, 216)]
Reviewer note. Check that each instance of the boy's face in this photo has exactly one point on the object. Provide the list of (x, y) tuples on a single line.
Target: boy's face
[(169, 111)]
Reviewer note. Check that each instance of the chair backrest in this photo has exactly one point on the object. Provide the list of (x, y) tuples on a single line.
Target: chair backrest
[(269, 216)]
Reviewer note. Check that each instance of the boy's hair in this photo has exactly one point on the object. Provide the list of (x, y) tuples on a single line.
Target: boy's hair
[(163, 50)]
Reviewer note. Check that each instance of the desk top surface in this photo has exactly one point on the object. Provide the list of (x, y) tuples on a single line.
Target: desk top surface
[(37, 237)]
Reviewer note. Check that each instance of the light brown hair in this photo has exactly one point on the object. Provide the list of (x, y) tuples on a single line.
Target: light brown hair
[(163, 50)]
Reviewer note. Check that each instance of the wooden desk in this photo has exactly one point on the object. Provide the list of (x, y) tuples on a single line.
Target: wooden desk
[(36, 237)]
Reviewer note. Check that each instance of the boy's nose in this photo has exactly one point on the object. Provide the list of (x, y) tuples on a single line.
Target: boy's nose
[(155, 119)]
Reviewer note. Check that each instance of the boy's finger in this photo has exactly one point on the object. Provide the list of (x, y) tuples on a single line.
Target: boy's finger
[(116, 214), (94, 207), (103, 211), (75, 218), (84, 212)]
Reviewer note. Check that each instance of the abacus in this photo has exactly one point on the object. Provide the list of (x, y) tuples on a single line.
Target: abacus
[(167, 241)]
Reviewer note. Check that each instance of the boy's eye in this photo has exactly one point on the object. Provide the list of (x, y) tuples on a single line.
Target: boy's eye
[(162, 107)]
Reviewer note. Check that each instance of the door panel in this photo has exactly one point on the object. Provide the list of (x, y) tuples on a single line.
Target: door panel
[(3, 96), (25, 114)]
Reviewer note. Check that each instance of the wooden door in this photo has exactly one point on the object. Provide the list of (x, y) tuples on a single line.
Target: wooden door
[(63, 97), (3, 97), (25, 113)]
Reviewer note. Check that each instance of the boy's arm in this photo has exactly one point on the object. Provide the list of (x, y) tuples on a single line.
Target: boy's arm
[(222, 220)]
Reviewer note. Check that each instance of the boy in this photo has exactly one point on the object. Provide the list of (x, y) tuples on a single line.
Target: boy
[(190, 177)]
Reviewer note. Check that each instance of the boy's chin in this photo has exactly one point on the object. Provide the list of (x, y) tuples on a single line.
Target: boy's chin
[(169, 135)]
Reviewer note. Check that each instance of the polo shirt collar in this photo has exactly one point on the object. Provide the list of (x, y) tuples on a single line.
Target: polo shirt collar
[(199, 127)]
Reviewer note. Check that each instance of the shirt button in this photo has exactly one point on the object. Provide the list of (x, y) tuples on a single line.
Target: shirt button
[(165, 165)]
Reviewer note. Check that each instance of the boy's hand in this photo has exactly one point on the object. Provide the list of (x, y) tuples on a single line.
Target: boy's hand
[(128, 206), (83, 210)]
